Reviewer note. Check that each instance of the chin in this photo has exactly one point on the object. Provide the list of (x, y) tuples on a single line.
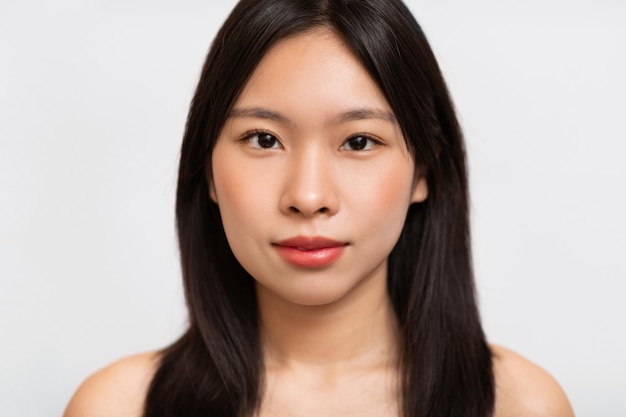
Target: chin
[(307, 295)]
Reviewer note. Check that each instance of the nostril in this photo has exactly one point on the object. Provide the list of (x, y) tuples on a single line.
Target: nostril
[(296, 210)]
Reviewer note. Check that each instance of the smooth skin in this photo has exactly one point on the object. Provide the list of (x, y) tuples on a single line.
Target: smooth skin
[(313, 149)]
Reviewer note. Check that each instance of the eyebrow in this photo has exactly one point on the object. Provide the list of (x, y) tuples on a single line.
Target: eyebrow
[(364, 113), (259, 113)]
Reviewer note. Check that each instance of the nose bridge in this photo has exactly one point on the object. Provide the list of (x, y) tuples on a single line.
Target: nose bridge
[(309, 183)]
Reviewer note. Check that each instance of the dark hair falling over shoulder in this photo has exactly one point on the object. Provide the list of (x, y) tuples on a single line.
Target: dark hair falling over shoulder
[(215, 368)]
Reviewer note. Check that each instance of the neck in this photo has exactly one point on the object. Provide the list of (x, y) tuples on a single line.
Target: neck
[(359, 330)]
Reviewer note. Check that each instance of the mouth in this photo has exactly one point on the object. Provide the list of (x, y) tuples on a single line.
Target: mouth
[(310, 251)]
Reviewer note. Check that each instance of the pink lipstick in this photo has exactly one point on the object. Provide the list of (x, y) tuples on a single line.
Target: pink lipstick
[(310, 251)]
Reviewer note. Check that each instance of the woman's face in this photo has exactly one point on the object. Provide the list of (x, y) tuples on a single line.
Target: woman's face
[(311, 173)]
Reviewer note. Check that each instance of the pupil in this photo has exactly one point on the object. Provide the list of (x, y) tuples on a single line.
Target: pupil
[(266, 140), (358, 143)]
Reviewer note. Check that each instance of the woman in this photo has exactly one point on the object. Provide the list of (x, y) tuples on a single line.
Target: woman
[(323, 227)]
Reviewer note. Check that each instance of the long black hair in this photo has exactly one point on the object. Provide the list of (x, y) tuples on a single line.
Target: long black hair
[(215, 368)]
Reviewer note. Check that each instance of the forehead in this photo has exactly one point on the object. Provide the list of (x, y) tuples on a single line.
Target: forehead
[(313, 72)]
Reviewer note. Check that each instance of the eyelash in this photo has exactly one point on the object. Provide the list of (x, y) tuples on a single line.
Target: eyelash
[(255, 133), (372, 142), (250, 135)]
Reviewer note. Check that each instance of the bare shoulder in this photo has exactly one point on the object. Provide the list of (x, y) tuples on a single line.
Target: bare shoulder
[(525, 389), (117, 390)]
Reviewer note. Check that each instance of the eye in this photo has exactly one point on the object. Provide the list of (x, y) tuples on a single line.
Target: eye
[(359, 143), (263, 140)]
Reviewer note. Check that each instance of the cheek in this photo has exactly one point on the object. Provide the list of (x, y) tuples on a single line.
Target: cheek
[(231, 176), (381, 200), (389, 206), (234, 193), (381, 188), (240, 209)]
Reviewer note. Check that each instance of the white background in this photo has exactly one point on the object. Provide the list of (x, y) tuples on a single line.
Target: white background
[(93, 99)]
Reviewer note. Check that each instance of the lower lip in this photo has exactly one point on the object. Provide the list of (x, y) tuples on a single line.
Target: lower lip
[(317, 258)]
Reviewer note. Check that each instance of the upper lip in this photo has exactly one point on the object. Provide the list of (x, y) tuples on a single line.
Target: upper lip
[(310, 242)]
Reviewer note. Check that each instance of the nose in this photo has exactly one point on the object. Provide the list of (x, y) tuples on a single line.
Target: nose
[(310, 186)]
